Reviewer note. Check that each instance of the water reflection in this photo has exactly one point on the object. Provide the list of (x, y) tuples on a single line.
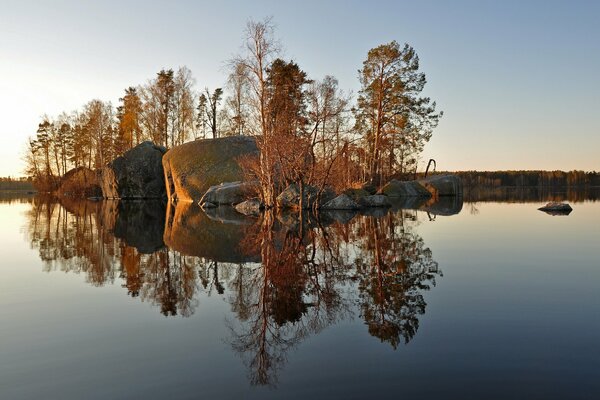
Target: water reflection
[(286, 277)]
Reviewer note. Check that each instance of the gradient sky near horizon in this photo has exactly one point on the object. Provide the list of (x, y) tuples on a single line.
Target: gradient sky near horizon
[(517, 81)]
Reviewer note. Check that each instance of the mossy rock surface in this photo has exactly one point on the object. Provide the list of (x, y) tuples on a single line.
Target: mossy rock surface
[(192, 168)]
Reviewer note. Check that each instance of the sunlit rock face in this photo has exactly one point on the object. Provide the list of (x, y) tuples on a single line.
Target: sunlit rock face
[(220, 237), (192, 168), (137, 174), (80, 182)]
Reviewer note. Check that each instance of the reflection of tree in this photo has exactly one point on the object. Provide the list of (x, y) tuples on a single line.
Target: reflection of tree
[(311, 273), (77, 236), (393, 272), (290, 296)]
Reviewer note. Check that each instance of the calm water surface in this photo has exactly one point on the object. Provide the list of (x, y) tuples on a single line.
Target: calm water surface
[(478, 300)]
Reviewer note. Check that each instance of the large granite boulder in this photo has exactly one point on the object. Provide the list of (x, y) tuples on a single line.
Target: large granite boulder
[(395, 188), (137, 174), (230, 193), (80, 182), (290, 197), (192, 168), (342, 202), (443, 185)]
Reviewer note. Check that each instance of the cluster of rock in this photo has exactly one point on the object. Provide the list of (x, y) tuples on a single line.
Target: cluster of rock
[(211, 173)]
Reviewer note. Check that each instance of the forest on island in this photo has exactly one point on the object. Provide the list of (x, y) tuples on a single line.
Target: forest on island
[(308, 130)]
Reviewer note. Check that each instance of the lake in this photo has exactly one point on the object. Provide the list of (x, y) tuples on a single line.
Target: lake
[(489, 298)]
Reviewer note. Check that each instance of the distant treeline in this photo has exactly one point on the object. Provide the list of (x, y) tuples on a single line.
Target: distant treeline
[(548, 179), (16, 184)]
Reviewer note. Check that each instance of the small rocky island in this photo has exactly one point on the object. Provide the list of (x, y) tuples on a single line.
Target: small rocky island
[(209, 172)]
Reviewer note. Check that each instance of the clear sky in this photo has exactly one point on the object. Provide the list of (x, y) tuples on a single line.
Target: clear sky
[(518, 81)]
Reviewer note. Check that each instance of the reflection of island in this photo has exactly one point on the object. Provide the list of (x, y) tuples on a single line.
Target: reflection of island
[(285, 277)]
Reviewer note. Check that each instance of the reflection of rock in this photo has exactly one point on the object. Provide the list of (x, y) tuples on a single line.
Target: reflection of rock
[(250, 207), (193, 167), (342, 202), (445, 205), (376, 212), (80, 182), (395, 188), (341, 216), (141, 224), (137, 174), (443, 185), (227, 215), (408, 203), (230, 193), (191, 232), (376, 200)]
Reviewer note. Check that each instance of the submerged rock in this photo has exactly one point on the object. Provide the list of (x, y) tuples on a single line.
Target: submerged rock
[(342, 202), (192, 168), (137, 174), (250, 207), (229, 193)]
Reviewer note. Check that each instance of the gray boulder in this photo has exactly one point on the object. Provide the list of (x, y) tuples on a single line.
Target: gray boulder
[(137, 174), (376, 200), (290, 197), (229, 193), (250, 207), (443, 185), (395, 188), (342, 202), (556, 208)]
